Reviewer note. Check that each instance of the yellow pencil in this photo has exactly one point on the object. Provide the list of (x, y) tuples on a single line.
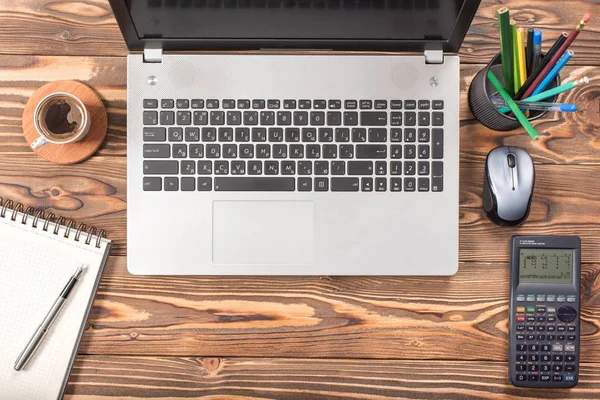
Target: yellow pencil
[(515, 52), (522, 63)]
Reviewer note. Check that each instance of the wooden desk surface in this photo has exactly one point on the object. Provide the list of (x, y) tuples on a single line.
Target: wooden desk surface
[(313, 337)]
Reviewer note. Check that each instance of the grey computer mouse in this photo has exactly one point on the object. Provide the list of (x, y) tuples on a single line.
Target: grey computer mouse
[(508, 185)]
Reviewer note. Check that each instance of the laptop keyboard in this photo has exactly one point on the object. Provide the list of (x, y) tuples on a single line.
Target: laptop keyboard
[(293, 145)]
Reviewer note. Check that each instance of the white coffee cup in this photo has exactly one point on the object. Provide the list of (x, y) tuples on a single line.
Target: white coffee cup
[(60, 118)]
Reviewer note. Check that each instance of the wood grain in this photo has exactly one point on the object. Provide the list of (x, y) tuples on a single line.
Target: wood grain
[(565, 138), (98, 377), (565, 201), (87, 27), (460, 317)]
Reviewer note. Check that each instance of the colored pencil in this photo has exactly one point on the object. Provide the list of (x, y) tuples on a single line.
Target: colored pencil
[(557, 55), (537, 50), (521, 54), (543, 62), (506, 49), (529, 51), (513, 107), (558, 90), (554, 72), (515, 44)]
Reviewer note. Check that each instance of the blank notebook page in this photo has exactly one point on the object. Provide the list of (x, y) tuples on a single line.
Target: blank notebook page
[(35, 265)]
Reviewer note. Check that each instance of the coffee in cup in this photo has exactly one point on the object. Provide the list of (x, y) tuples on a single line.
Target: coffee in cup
[(60, 118)]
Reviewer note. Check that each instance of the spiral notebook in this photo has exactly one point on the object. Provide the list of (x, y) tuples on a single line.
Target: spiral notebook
[(38, 255)]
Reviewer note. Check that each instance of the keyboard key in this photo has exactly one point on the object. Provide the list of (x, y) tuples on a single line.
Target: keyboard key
[(263, 151), (366, 104), (258, 104), (200, 117), (342, 135), (280, 151), (359, 135), (157, 151), (304, 167), (350, 118), (260, 184), (217, 117), (273, 104), (230, 151), (289, 104), (284, 118), (532, 378), (309, 135), (346, 151), (438, 104), (334, 118), (423, 168), (366, 184), (292, 134), (570, 358), (409, 184), (396, 104), (410, 104), (313, 151), (321, 167), (409, 168), (423, 151), (192, 134), (338, 168), (150, 118), (171, 184), (246, 151), (221, 167), (170, 167), (259, 135), (380, 184), (225, 134), (396, 168), (438, 119), (304, 184), (176, 134), (423, 135), (396, 134), (304, 104), (288, 168), (396, 151), (300, 118), (321, 184), (197, 103), (154, 134), (424, 104), (188, 167), (360, 168), (396, 119), (209, 134), (204, 167), (152, 184), (326, 135), (180, 151), (271, 167), (234, 118), (373, 151), (410, 118), (167, 103), (250, 118), (182, 103), (377, 135), (188, 184), (380, 104), (396, 184), (204, 184), (351, 104), (267, 118), (255, 167), (242, 134), (380, 168), (521, 347), (344, 184), (410, 135), (151, 103), (410, 151), (317, 118), (335, 104), (568, 368), (228, 103), (212, 103), (423, 184), (373, 118), (319, 104), (275, 135), (196, 150), (213, 150), (296, 151)]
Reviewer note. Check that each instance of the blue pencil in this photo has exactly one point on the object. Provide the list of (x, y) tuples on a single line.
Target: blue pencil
[(553, 72)]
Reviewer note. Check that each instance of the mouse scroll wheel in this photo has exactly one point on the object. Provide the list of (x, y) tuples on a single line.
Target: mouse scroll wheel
[(512, 161)]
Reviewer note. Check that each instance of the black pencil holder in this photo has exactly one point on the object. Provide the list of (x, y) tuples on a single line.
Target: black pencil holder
[(485, 111)]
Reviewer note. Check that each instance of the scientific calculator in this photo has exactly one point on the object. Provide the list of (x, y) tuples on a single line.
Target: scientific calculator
[(544, 311)]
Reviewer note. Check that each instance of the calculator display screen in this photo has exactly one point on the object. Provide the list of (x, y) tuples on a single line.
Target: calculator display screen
[(553, 266)]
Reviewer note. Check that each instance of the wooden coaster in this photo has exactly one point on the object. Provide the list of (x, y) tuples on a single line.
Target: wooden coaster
[(70, 153)]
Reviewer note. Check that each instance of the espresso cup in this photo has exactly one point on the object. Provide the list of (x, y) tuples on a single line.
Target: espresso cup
[(60, 118)]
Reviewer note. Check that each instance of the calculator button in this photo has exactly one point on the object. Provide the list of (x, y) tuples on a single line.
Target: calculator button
[(530, 318), (571, 299), (530, 337), (545, 358), (520, 378), (532, 377), (545, 378), (521, 357), (521, 297), (520, 309), (541, 328), (545, 348), (566, 314), (561, 337), (520, 318), (541, 310), (541, 319), (533, 347), (557, 347), (551, 298), (521, 347), (571, 328), (569, 378), (530, 309), (557, 378), (540, 298), (520, 327), (571, 337), (531, 328), (557, 368), (534, 357), (570, 358), (560, 299), (541, 337), (551, 310), (520, 337), (551, 337), (557, 357), (530, 297), (551, 319), (569, 347), (569, 368), (521, 367), (561, 328)]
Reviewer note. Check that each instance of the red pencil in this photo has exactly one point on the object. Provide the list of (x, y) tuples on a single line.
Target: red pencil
[(557, 55)]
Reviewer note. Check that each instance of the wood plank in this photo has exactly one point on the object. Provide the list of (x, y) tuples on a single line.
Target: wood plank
[(87, 27), (565, 138), (461, 317), (565, 201), (98, 377)]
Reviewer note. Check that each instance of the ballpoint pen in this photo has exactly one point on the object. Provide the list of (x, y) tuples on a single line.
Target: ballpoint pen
[(41, 331), (534, 105)]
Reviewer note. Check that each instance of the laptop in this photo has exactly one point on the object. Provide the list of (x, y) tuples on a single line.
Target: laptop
[(293, 137)]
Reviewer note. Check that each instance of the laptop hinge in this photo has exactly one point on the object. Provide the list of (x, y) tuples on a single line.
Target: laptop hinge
[(434, 56), (153, 52)]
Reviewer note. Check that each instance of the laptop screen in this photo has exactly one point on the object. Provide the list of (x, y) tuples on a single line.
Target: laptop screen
[(381, 20)]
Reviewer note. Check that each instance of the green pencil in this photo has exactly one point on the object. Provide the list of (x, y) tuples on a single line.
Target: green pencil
[(506, 49), (513, 107), (515, 56)]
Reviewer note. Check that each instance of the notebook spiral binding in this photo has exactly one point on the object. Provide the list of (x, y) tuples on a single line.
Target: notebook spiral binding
[(9, 209)]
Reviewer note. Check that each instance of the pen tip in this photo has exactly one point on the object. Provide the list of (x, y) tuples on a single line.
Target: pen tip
[(586, 17), (78, 271)]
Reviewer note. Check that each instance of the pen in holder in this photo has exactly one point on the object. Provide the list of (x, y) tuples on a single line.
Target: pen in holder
[(481, 104)]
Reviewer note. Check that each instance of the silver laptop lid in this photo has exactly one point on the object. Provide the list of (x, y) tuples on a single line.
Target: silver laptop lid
[(397, 25)]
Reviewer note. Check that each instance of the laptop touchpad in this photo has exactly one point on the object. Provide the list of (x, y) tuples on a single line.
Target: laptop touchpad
[(263, 232)]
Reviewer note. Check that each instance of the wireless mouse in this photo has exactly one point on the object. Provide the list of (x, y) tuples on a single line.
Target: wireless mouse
[(508, 185)]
